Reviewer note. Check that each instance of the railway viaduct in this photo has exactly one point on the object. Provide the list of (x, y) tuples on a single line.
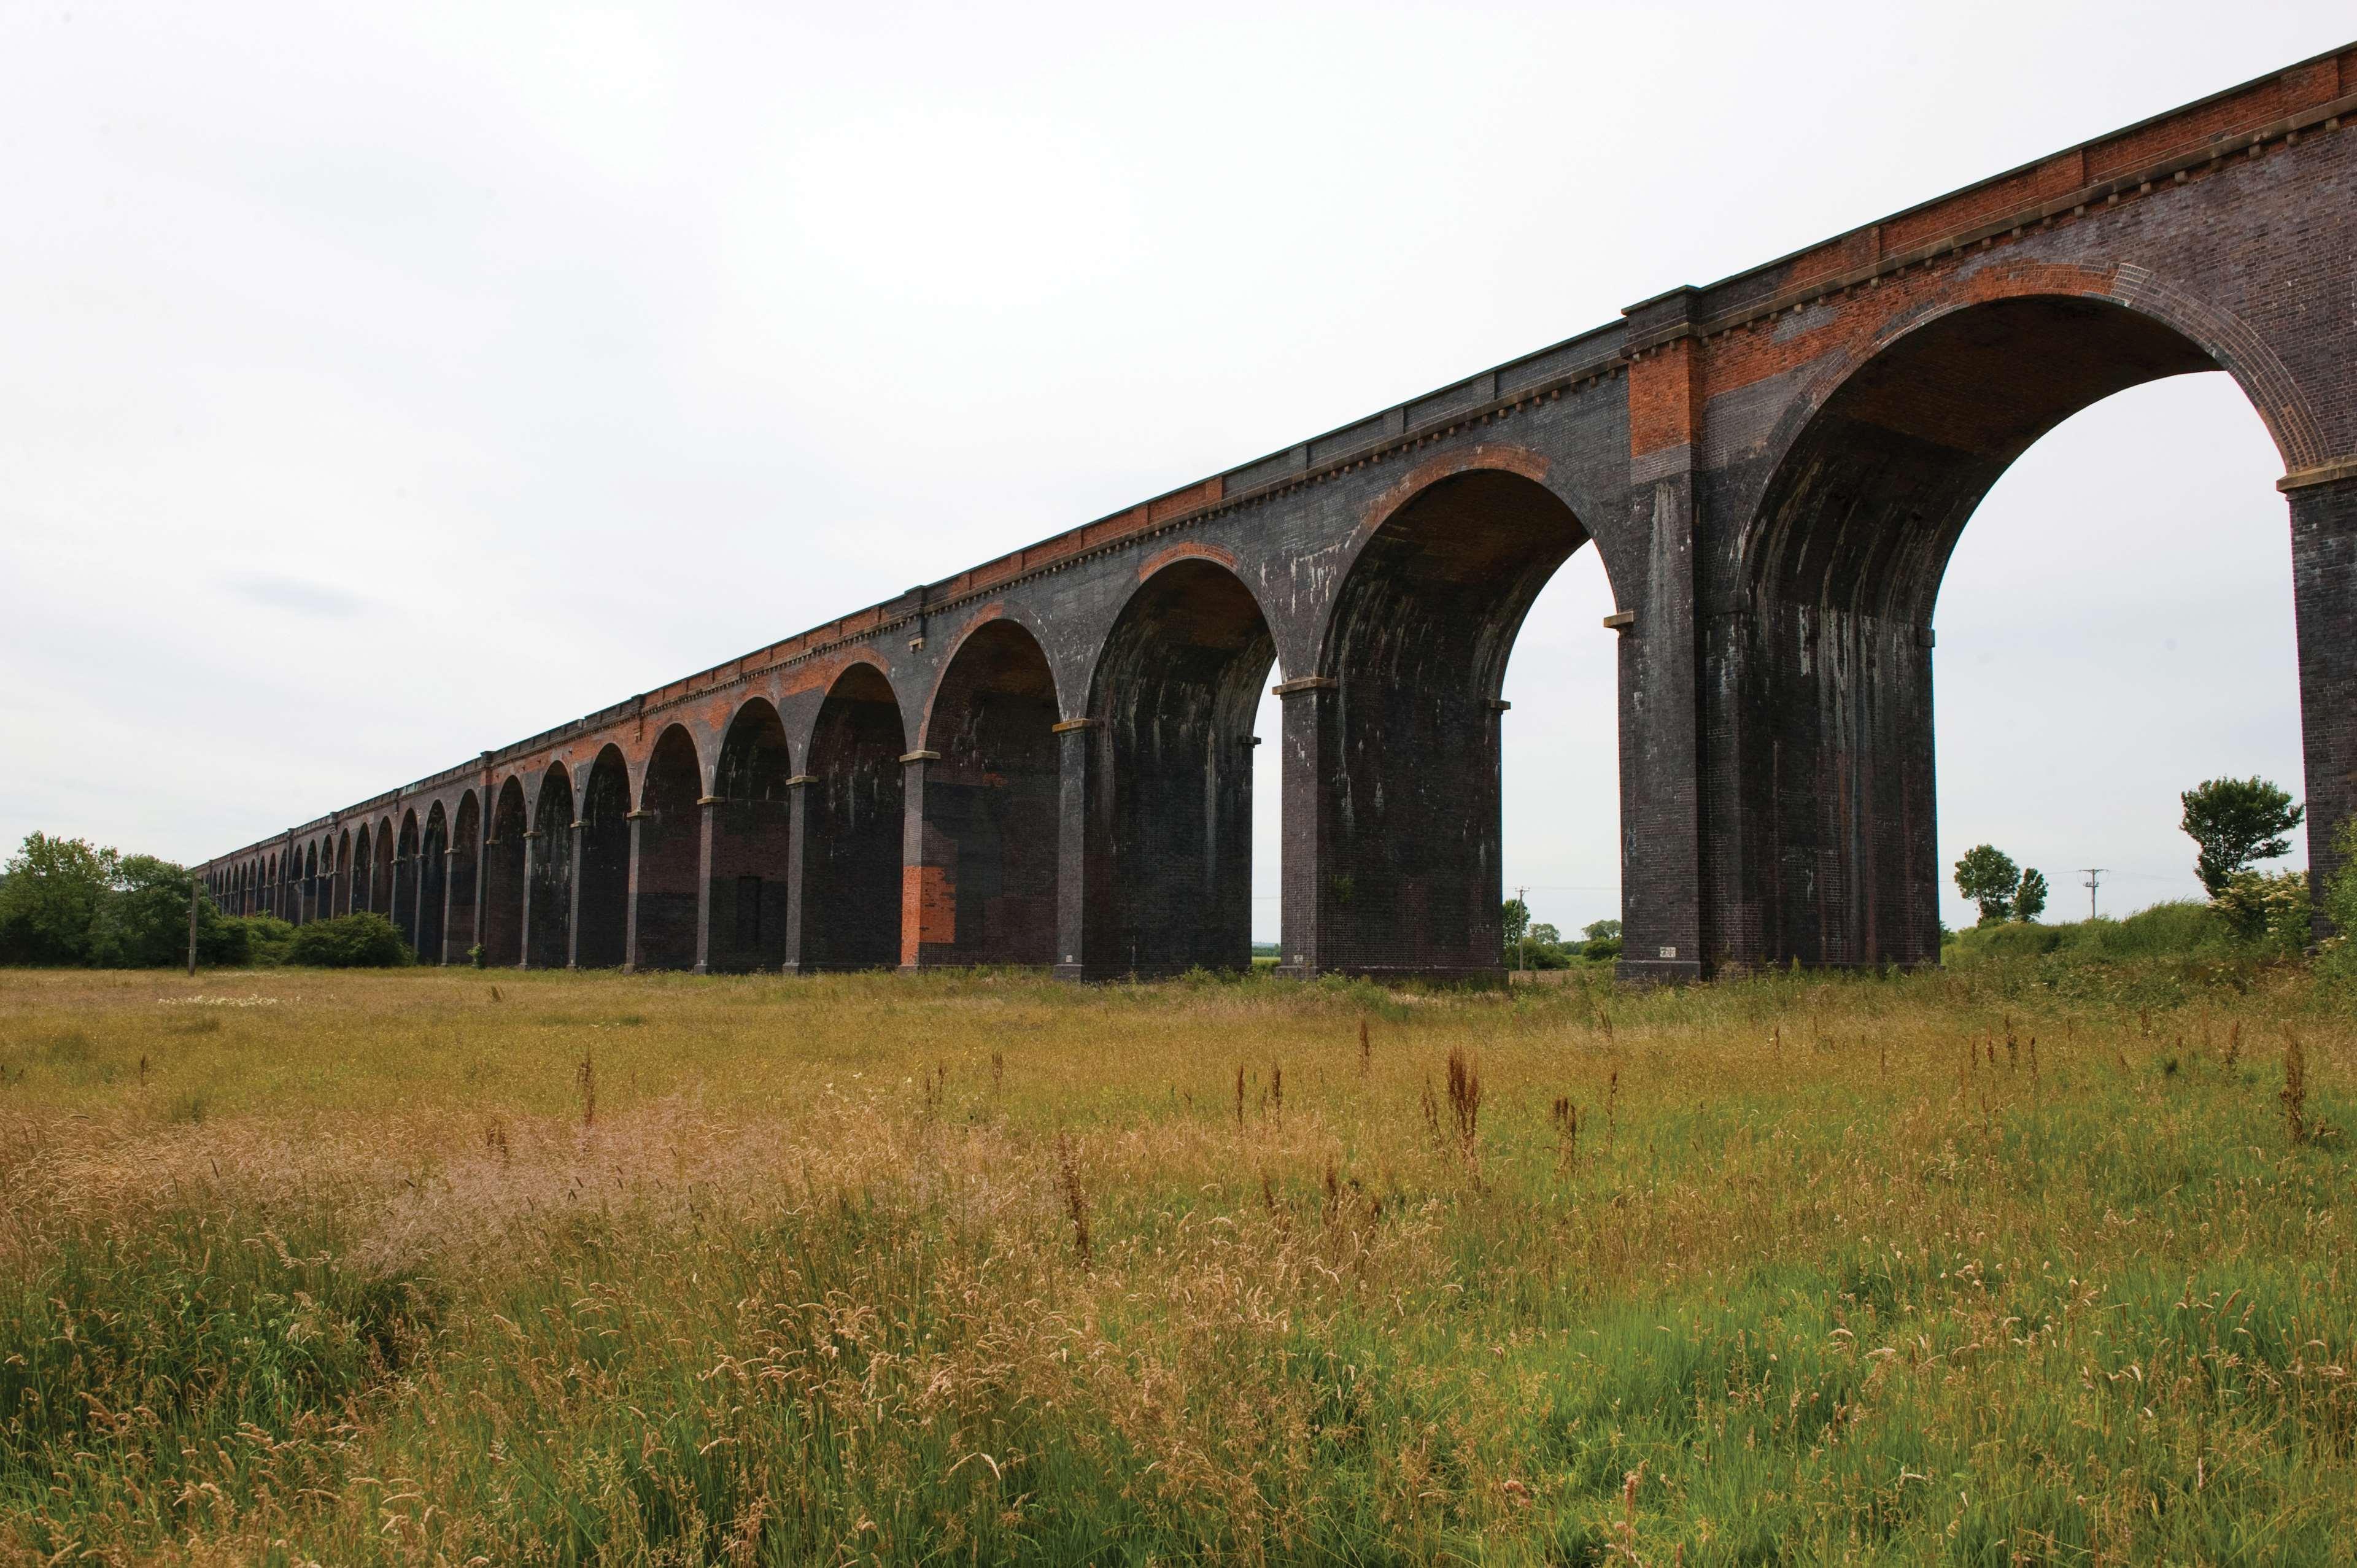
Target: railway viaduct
[(1046, 759)]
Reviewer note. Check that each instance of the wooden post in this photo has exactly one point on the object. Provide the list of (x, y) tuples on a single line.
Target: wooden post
[(192, 927)]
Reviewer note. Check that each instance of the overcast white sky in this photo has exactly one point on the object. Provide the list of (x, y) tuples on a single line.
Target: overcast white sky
[(385, 384)]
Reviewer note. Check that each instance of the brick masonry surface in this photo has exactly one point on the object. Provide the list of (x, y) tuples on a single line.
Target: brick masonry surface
[(1046, 759)]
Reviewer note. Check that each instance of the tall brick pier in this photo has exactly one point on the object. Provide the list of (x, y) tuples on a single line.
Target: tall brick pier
[(1046, 759)]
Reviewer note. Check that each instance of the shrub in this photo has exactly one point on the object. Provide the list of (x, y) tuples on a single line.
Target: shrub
[(2340, 891), (2269, 906), (349, 942), (2341, 888), (230, 945), (1603, 949), (2014, 940), (262, 939), (2178, 927)]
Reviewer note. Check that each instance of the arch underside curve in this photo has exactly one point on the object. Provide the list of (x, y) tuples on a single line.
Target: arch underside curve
[(1828, 852), (433, 885), (505, 870), (1170, 777), (1394, 769), (983, 888), (405, 857), (548, 885), (752, 842), (855, 827), (462, 932), (601, 869), (666, 845)]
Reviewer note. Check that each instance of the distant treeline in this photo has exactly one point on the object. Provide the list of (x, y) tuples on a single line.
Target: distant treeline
[(67, 904)]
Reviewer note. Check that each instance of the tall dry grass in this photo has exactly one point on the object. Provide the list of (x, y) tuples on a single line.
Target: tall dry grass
[(419, 1268)]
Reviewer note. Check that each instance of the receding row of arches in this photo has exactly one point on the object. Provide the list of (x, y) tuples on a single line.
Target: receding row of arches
[(1775, 700), (409, 871), (1117, 841)]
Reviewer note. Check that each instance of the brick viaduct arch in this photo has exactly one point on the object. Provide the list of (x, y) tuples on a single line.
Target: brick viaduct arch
[(1870, 481), (1045, 759)]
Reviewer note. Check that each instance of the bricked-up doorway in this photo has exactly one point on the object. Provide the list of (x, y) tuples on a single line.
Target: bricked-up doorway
[(854, 828), (982, 887), (601, 881), (669, 855), (1169, 778), (1823, 840), (1391, 750), (548, 892), (752, 843)]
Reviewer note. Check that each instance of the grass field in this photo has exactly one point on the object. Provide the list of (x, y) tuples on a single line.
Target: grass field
[(1995, 1265)]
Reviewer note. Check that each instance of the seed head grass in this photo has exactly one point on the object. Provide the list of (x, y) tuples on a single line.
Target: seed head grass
[(401, 1268)]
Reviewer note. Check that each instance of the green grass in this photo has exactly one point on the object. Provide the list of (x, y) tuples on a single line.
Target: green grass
[(2014, 1262), (2185, 930)]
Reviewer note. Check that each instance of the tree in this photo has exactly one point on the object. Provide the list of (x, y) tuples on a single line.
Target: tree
[(349, 942), (1516, 920), (2029, 898), (2236, 822), (142, 922), (50, 899), (1601, 931), (1988, 876)]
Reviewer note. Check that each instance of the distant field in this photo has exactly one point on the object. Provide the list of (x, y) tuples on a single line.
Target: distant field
[(1998, 1265)]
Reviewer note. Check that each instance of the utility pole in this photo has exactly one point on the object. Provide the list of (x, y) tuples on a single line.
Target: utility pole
[(1523, 936), (192, 927), (2094, 875)]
